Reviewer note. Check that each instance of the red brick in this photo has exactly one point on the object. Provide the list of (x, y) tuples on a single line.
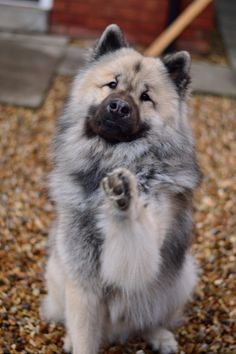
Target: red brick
[(141, 20), (132, 15), (194, 34), (150, 29), (145, 39), (80, 8), (188, 35), (203, 23), (58, 17), (194, 46), (128, 15), (59, 29), (82, 32), (97, 23), (78, 20), (60, 5)]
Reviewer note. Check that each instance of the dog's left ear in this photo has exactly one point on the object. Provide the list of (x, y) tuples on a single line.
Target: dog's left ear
[(111, 40), (178, 67)]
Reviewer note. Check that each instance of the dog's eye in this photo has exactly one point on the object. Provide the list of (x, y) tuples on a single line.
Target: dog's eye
[(112, 84), (145, 97)]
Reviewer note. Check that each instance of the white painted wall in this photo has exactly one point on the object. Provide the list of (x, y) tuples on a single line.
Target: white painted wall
[(45, 4), (42, 4), (25, 16)]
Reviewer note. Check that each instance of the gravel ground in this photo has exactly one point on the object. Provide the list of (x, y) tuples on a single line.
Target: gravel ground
[(25, 214)]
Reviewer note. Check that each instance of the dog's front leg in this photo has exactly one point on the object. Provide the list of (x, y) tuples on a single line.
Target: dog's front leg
[(83, 320), (133, 231)]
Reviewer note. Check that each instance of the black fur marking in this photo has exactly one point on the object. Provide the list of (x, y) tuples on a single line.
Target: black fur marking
[(89, 180), (140, 134), (89, 133), (137, 67), (177, 66), (112, 40), (145, 178), (62, 126), (83, 231), (178, 237), (92, 110)]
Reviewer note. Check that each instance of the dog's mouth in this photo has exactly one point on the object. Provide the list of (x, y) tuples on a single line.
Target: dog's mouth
[(116, 119)]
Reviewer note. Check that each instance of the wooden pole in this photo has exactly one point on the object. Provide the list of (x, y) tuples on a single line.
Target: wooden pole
[(184, 19)]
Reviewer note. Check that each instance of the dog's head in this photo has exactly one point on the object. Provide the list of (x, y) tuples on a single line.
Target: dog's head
[(124, 95), (124, 107)]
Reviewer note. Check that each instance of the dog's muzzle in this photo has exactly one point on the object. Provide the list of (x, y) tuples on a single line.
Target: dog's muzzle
[(119, 108), (116, 119)]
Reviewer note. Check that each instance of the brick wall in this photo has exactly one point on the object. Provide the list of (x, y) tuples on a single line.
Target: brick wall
[(141, 20), (197, 36)]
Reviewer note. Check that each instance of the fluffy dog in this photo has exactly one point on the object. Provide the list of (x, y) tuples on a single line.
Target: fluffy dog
[(125, 169)]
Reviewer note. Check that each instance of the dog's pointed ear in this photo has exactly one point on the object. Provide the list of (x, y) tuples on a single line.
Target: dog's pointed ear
[(111, 40), (178, 67)]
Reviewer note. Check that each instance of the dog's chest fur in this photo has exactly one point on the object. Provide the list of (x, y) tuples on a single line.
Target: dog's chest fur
[(129, 257)]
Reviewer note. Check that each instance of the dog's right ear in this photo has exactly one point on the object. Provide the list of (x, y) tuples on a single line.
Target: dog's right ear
[(178, 67), (111, 40)]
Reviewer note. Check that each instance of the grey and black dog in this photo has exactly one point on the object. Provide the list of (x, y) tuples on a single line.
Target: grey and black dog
[(125, 169)]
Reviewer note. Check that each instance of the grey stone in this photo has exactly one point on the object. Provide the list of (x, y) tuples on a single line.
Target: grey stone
[(232, 57), (27, 65), (213, 79), (36, 39), (74, 59)]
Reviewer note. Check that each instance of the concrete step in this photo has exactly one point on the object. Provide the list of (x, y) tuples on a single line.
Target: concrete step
[(226, 11), (27, 65), (213, 79), (23, 16)]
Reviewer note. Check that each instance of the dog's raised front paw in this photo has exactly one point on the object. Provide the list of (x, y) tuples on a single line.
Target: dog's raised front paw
[(120, 186)]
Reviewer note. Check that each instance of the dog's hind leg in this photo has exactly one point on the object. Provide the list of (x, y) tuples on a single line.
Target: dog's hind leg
[(52, 308), (84, 320)]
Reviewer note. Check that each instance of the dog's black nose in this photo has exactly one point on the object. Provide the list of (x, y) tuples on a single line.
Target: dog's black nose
[(119, 107)]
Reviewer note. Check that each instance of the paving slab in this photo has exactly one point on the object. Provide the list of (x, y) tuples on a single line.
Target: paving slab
[(35, 39), (27, 65), (213, 78), (226, 12), (73, 60)]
